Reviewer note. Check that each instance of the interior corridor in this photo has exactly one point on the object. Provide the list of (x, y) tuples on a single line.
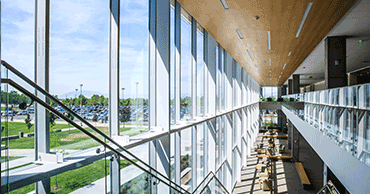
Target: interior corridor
[(284, 174)]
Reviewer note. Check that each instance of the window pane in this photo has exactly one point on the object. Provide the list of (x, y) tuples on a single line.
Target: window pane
[(185, 112), (185, 161), (17, 35), (134, 63), (200, 152), (200, 75)]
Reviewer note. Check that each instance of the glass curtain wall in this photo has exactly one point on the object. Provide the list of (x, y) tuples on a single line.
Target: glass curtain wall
[(269, 92), (133, 80)]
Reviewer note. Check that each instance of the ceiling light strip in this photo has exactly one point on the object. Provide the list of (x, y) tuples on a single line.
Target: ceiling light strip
[(224, 4), (270, 62), (269, 39), (304, 18), (289, 54), (250, 55), (284, 66), (240, 34)]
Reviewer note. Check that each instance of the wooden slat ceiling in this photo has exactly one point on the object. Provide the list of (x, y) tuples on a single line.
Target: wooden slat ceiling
[(281, 17)]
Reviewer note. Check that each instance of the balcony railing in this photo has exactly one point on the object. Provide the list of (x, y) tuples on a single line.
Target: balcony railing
[(343, 115)]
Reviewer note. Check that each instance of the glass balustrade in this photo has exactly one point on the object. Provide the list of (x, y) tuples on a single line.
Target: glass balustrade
[(343, 115)]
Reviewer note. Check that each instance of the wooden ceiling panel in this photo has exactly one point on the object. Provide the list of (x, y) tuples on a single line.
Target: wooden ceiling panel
[(282, 18)]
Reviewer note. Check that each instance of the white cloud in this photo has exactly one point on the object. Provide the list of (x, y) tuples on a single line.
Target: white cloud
[(79, 47)]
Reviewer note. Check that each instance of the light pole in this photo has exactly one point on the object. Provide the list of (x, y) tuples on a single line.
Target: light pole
[(137, 100), (81, 100), (123, 93), (76, 94)]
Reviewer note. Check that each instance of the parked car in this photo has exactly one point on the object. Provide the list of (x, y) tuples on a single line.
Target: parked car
[(30, 110)]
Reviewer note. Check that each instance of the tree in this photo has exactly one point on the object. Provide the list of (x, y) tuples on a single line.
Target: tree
[(69, 116), (125, 115), (52, 118), (52, 103), (84, 100), (27, 120)]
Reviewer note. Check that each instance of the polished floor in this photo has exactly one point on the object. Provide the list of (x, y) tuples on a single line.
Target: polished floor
[(285, 175)]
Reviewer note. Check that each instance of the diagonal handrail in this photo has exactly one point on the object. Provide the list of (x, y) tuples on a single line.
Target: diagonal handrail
[(51, 109), (213, 177)]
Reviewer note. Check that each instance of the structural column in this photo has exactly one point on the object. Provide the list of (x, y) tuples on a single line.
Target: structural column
[(159, 88), (194, 130), (279, 91), (177, 91), (296, 84), (42, 139), (290, 86), (210, 89), (114, 89), (290, 134), (283, 90), (335, 61), (295, 144)]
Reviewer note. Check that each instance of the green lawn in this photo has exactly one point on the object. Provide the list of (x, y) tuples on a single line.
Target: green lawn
[(56, 140), (23, 165), (73, 139), (4, 158), (75, 179), (16, 127), (14, 108)]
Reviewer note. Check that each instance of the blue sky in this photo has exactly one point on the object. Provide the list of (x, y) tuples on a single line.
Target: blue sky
[(79, 47)]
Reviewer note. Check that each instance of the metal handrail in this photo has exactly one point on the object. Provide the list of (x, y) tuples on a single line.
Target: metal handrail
[(213, 176), (151, 172), (205, 178), (51, 109)]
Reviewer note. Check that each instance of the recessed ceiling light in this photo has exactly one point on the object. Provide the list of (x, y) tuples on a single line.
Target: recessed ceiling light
[(289, 54), (270, 62), (304, 18), (250, 55), (269, 39), (224, 4), (240, 34), (284, 66)]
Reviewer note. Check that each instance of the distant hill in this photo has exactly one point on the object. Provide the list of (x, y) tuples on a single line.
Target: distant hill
[(87, 94)]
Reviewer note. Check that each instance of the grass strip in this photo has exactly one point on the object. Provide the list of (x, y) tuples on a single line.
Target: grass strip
[(70, 181), (16, 127), (10, 158), (20, 166)]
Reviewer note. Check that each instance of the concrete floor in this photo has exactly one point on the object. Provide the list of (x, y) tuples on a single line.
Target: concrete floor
[(285, 177)]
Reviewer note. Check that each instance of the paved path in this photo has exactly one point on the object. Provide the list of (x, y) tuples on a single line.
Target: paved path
[(127, 173)]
